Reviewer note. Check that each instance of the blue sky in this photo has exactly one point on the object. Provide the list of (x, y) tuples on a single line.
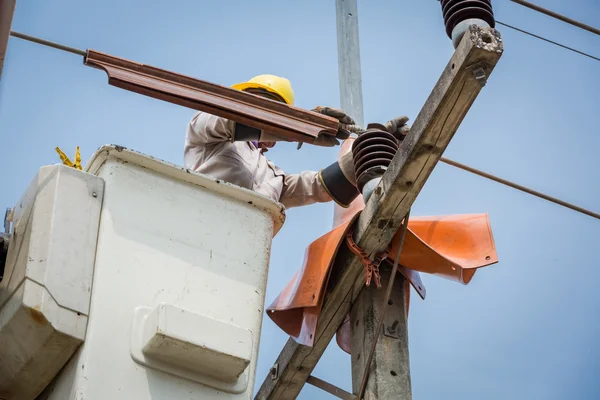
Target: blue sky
[(526, 328)]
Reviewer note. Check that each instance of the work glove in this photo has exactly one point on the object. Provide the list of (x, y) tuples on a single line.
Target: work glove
[(339, 180), (398, 127), (325, 141), (344, 120)]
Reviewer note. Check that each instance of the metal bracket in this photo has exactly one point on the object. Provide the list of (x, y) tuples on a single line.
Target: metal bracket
[(331, 389), (481, 72), (480, 76), (7, 220), (391, 330), (4, 239), (275, 371)]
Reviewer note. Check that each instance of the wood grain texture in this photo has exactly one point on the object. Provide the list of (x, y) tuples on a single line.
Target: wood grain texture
[(389, 370)]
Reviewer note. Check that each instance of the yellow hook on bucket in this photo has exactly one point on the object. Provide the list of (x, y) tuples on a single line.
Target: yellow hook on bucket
[(66, 161)]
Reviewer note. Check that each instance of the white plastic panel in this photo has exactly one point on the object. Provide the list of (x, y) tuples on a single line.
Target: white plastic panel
[(192, 346), (174, 237), (46, 290)]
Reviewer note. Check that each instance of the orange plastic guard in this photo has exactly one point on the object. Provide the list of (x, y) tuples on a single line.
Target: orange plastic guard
[(452, 247), (297, 307)]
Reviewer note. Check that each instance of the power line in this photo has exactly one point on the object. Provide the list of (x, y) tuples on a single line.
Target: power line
[(83, 52), (520, 187), (445, 160), (548, 40), (48, 43), (558, 16)]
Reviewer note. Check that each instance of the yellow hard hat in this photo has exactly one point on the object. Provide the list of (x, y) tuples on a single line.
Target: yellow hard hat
[(271, 83)]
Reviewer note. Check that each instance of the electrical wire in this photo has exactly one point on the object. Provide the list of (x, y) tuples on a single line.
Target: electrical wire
[(48, 43), (520, 187), (548, 40), (357, 129), (557, 16)]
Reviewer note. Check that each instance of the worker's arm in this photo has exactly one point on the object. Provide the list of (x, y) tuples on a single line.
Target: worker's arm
[(206, 128), (336, 182), (303, 189)]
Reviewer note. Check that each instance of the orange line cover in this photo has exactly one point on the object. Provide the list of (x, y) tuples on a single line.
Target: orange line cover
[(452, 247)]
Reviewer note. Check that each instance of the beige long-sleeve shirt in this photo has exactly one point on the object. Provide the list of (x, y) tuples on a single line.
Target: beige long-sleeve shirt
[(209, 150)]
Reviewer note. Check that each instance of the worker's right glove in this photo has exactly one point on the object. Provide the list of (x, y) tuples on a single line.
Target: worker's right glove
[(245, 133), (340, 181), (344, 120), (398, 127), (326, 141)]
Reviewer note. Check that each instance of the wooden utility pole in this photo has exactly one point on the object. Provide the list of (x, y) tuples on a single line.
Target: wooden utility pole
[(457, 88), (389, 370)]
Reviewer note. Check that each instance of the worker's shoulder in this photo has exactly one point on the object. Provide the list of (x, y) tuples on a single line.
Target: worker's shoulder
[(203, 115)]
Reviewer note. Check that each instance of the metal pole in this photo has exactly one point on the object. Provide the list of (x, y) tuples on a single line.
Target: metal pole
[(349, 68), (349, 59), (391, 375)]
